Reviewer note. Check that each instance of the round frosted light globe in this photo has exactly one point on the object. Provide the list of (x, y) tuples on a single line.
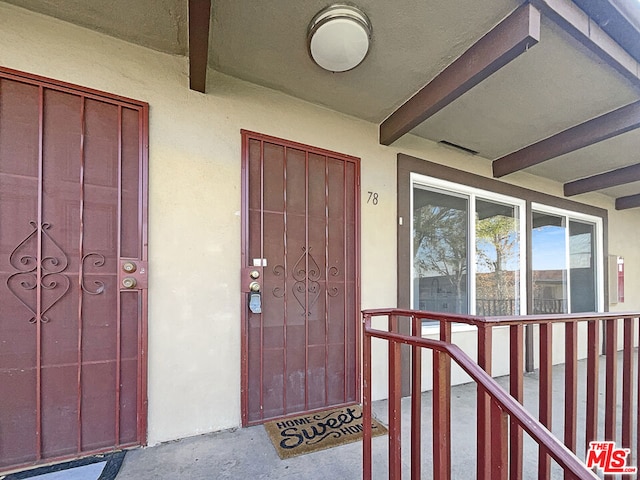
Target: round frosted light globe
[(339, 38)]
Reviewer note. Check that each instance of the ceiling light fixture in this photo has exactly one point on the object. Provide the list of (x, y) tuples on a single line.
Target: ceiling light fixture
[(338, 38)]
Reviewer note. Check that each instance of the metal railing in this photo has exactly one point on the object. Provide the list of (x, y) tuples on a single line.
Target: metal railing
[(501, 419)]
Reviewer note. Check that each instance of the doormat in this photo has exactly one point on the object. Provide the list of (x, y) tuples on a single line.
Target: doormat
[(97, 467), (317, 431)]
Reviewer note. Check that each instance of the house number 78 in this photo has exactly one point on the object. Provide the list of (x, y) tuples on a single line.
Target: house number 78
[(373, 198)]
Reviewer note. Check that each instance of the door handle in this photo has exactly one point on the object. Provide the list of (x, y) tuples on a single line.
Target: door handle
[(129, 267), (132, 274)]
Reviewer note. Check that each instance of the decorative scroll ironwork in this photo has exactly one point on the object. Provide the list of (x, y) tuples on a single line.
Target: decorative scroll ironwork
[(279, 271), (333, 291), (303, 278), (97, 262), (25, 263), (23, 284)]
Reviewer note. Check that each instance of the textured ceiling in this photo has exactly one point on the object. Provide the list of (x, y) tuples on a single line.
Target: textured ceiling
[(558, 83), (157, 24), (605, 156), (553, 86), (412, 41)]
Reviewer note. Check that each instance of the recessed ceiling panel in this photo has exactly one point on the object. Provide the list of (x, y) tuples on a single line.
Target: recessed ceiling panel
[(157, 24), (558, 83), (622, 190), (412, 41), (616, 152)]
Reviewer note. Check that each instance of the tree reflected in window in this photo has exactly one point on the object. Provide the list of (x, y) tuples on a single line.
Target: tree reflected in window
[(440, 236), (497, 259)]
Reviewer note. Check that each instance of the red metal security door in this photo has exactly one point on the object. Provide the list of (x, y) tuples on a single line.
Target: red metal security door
[(72, 219), (300, 248)]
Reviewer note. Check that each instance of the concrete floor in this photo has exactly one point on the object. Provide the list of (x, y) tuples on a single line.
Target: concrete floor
[(247, 453), (244, 453)]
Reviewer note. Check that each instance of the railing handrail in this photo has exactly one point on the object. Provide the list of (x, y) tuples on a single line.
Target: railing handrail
[(501, 320), (555, 448)]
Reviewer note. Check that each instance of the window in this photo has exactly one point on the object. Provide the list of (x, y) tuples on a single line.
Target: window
[(440, 246), (498, 258), (468, 255), (565, 262), (549, 263), (448, 274)]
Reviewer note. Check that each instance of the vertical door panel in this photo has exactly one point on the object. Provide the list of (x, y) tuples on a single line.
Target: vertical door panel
[(273, 321), (59, 413), (98, 412), (129, 380), (60, 220), (337, 338), (99, 268), (18, 442), (130, 366), (296, 326), (300, 350), (316, 282), (254, 330), (131, 209), (352, 273), (18, 185)]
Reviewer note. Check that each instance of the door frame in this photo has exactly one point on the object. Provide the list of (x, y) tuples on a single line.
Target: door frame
[(143, 199), (247, 135)]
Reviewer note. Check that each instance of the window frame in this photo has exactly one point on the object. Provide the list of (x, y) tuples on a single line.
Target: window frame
[(407, 165)]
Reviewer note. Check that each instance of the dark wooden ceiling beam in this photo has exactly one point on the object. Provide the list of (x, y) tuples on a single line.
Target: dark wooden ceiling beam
[(199, 19), (596, 130), (505, 42), (613, 178), (624, 203)]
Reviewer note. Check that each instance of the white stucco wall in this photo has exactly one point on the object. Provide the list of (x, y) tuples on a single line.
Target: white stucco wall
[(194, 219)]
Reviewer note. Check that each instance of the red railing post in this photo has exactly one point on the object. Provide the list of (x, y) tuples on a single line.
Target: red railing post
[(516, 388), (442, 408), (637, 458), (395, 394), (611, 374), (499, 448), (546, 400), (611, 384), (366, 400), (484, 407), (570, 384), (416, 400), (627, 385), (593, 370)]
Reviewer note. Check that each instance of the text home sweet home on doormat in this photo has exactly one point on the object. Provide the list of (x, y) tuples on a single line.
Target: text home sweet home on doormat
[(309, 433)]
